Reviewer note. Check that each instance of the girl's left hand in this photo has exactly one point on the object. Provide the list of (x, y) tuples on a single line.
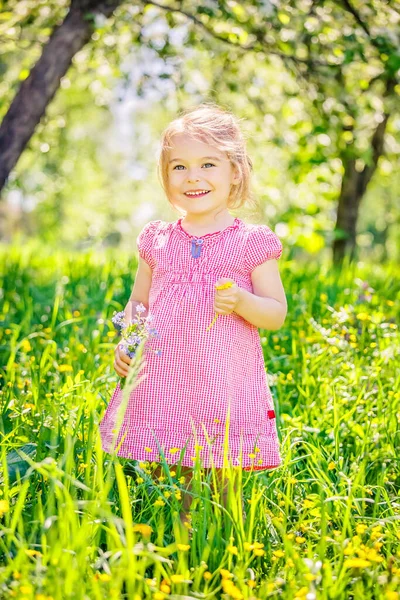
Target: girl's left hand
[(226, 300)]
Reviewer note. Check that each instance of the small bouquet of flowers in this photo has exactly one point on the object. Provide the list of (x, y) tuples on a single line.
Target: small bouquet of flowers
[(133, 333)]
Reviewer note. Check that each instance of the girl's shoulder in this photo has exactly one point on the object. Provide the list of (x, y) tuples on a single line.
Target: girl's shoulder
[(262, 244)]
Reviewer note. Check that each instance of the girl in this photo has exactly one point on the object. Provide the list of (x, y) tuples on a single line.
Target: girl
[(204, 264)]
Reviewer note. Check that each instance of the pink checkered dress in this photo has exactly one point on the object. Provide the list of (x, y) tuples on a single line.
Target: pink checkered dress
[(186, 390)]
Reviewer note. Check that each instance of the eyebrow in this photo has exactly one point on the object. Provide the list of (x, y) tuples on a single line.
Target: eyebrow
[(204, 157)]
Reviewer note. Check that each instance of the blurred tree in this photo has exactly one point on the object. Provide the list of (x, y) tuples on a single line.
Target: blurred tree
[(39, 87), (344, 55)]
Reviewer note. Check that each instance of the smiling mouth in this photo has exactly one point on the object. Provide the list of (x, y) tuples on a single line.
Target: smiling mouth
[(197, 195)]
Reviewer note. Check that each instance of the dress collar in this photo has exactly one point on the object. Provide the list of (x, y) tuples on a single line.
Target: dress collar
[(236, 223)]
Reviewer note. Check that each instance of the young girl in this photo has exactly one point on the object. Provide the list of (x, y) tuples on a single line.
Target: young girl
[(204, 264)]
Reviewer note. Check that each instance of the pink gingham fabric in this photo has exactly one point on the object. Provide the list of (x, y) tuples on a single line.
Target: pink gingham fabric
[(185, 392)]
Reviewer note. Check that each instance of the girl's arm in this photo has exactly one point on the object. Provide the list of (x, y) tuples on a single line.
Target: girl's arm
[(140, 290), (266, 307)]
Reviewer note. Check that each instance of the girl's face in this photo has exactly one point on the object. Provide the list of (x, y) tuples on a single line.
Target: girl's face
[(195, 166)]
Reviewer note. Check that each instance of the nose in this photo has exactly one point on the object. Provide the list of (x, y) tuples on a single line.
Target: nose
[(192, 177)]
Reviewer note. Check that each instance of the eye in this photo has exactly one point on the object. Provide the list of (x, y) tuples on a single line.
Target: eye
[(177, 166), (210, 164)]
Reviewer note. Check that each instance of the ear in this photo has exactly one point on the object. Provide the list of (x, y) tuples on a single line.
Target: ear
[(236, 177)]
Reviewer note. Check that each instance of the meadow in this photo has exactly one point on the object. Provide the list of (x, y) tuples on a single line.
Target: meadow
[(76, 523)]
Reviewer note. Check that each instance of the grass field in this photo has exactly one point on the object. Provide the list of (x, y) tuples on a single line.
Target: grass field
[(75, 525)]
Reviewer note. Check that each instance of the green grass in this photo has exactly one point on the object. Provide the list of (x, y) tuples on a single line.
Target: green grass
[(324, 525)]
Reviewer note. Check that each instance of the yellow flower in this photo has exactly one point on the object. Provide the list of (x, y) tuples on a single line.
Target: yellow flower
[(361, 528), (165, 588), (174, 450), (142, 528), (159, 502), (30, 552), (363, 316), (356, 563), (147, 449), (26, 347), (232, 550), (63, 368), (207, 575), (25, 589), (158, 596), (223, 286), (300, 539), (331, 466), (278, 553), (258, 552), (225, 574), (4, 507), (178, 578)]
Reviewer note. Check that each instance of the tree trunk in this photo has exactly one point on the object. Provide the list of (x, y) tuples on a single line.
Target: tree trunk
[(35, 92), (354, 185)]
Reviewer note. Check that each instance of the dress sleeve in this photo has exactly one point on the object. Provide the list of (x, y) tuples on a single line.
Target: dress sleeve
[(145, 241), (262, 244)]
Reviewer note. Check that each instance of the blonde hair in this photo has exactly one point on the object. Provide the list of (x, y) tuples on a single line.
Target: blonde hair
[(211, 124)]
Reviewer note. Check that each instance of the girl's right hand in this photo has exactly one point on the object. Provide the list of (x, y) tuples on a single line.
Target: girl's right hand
[(121, 361)]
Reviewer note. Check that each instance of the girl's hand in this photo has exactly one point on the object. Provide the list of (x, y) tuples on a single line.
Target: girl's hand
[(226, 300), (121, 362)]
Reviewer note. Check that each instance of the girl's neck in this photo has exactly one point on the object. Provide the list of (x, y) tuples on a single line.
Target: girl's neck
[(202, 225)]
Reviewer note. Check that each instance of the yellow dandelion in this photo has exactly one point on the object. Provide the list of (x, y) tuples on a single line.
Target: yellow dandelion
[(30, 552), (356, 563), (225, 574), (223, 286), (4, 507), (361, 528), (25, 589), (363, 316), (143, 528)]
